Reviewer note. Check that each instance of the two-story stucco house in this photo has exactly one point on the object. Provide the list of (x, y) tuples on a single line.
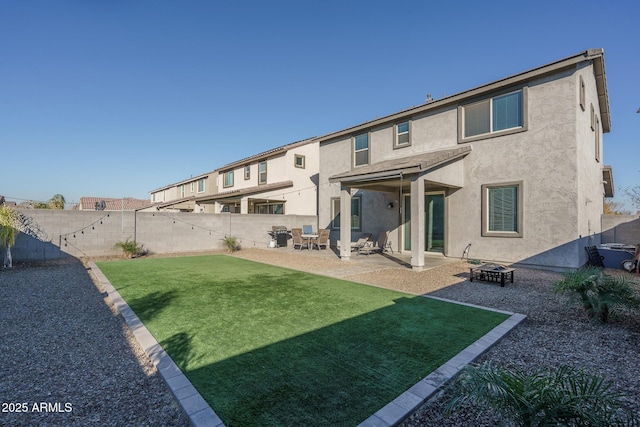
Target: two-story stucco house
[(278, 181), (512, 168), (181, 196)]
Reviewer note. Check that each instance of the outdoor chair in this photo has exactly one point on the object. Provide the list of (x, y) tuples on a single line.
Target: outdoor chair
[(321, 240), (595, 259), (383, 241), (355, 246), (296, 234)]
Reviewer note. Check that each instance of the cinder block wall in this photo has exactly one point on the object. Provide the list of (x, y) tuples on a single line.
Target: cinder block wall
[(621, 229), (94, 233)]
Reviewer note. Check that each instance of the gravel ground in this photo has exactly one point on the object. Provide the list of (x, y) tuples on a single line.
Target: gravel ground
[(61, 343)]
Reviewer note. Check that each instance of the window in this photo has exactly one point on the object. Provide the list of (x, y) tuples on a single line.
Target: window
[(182, 190), (593, 118), (247, 172), (269, 208), (597, 139), (193, 186), (228, 179), (583, 103), (402, 135), (298, 161), (201, 185), (356, 214), (361, 149), (502, 210), (498, 114), (262, 173)]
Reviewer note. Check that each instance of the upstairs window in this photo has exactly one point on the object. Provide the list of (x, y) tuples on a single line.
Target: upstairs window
[(493, 115), (247, 172), (402, 135), (228, 179), (361, 149), (182, 190), (201, 185), (262, 173), (298, 161)]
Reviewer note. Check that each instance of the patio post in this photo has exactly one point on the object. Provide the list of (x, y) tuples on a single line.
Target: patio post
[(417, 222), (345, 223)]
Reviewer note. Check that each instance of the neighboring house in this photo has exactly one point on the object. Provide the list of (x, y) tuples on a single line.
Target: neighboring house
[(181, 196), (512, 168), (279, 181), (110, 204)]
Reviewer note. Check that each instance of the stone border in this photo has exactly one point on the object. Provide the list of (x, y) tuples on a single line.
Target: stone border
[(192, 403), (201, 414)]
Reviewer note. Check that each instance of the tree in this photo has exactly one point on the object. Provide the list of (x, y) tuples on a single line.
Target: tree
[(633, 193), (612, 207), (57, 201), (8, 232)]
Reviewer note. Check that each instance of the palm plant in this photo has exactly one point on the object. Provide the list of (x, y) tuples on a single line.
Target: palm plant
[(231, 243), (601, 295), (8, 233), (129, 248), (567, 396)]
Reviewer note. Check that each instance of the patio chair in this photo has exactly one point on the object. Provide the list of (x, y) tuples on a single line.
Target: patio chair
[(595, 259), (362, 241), (322, 239), (298, 241), (383, 241)]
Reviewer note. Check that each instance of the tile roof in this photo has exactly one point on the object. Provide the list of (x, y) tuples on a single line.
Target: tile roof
[(126, 203)]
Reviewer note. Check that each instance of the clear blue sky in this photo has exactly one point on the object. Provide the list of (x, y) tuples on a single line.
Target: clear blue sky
[(117, 98)]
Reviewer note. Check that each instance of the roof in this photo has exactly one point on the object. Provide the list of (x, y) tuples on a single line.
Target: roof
[(110, 204), (184, 181), (246, 191), (267, 154), (404, 166), (595, 55)]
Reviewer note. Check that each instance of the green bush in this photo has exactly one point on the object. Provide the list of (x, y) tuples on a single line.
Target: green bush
[(130, 248), (231, 243), (567, 396), (601, 295)]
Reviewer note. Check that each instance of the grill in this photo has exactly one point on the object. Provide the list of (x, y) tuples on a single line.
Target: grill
[(280, 234)]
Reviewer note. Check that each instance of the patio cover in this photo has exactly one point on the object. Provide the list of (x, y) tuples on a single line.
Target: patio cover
[(390, 170)]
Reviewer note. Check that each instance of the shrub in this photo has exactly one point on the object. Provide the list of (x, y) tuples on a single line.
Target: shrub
[(567, 396), (601, 295), (231, 243), (130, 248)]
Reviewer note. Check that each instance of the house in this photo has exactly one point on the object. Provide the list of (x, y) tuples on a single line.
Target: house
[(278, 181), (181, 196), (510, 171), (111, 204)]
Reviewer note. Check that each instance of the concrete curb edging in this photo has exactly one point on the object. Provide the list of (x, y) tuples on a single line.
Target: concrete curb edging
[(200, 414), (404, 405), (192, 403)]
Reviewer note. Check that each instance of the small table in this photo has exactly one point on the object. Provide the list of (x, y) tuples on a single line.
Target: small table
[(491, 273), (309, 238)]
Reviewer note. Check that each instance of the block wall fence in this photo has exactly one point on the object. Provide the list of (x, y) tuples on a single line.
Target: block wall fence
[(94, 233)]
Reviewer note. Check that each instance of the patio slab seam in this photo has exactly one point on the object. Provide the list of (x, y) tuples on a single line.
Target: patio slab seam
[(194, 406)]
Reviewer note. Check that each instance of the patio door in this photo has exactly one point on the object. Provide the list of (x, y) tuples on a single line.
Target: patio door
[(433, 222)]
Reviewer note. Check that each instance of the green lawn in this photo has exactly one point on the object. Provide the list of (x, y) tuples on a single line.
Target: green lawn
[(270, 346)]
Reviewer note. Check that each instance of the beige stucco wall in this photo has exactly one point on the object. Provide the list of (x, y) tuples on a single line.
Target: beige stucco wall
[(553, 158)]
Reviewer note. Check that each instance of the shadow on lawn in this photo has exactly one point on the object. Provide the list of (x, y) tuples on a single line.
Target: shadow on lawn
[(339, 374), (149, 306), (180, 347)]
